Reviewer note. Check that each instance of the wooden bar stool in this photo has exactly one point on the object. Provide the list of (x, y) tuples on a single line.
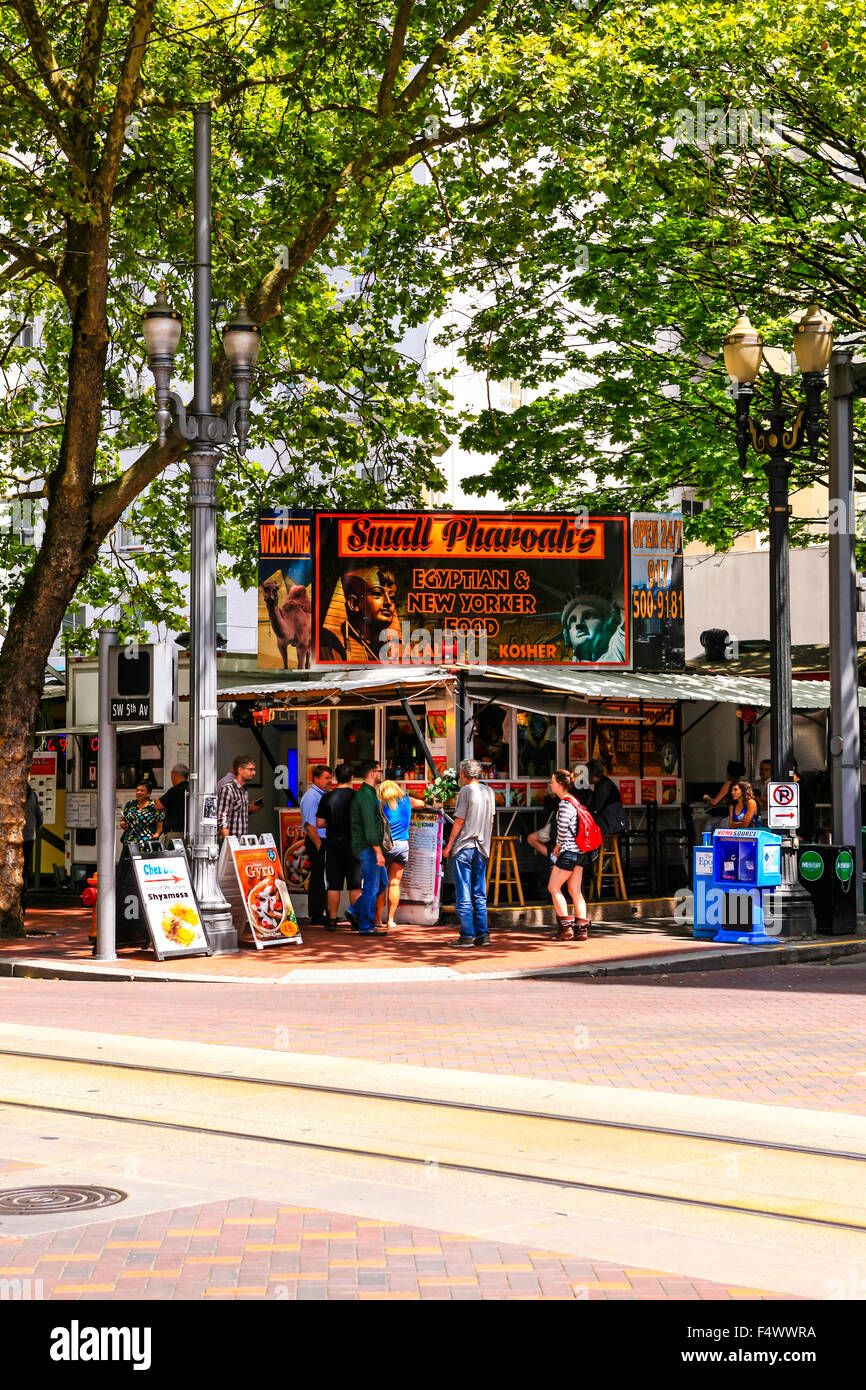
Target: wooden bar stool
[(502, 867), (610, 856)]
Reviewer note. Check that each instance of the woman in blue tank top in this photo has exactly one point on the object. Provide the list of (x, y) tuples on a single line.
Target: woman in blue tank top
[(397, 809)]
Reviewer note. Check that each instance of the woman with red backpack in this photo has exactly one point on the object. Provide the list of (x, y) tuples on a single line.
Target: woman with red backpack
[(578, 841)]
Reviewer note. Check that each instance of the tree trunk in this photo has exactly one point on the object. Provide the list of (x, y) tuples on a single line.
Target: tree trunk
[(69, 547)]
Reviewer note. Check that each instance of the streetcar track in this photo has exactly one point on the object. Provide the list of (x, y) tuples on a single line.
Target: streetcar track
[(396, 1097), (409, 1160)]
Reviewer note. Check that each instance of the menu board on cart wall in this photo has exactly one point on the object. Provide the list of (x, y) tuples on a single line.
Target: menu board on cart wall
[(252, 879), (294, 854), (422, 877), (43, 780)]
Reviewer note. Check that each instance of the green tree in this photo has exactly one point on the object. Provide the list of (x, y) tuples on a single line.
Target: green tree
[(324, 114), (715, 164)]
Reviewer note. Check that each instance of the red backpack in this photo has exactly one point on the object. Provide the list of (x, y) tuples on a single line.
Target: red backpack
[(588, 836)]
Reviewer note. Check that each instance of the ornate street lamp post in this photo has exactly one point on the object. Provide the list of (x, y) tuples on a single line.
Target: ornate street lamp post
[(777, 439), (204, 430)]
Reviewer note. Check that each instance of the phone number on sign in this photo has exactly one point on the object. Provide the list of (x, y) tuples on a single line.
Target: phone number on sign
[(663, 604)]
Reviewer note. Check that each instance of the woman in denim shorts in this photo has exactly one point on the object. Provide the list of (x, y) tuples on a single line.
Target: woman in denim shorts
[(397, 808)]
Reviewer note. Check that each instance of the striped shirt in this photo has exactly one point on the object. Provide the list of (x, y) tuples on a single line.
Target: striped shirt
[(233, 806)]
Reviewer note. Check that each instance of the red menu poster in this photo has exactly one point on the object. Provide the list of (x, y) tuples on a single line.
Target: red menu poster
[(669, 791), (628, 791), (537, 793), (498, 790), (648, 790)]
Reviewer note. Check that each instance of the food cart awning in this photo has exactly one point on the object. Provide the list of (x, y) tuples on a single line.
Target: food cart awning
[(571, 687), (373, 683), (547, 689)]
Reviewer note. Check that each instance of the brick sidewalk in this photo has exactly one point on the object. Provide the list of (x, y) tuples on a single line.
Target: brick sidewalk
[(407, 947), (255, 1249), (793, 1036)]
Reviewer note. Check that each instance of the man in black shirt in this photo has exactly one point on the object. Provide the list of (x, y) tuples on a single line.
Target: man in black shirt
[(172, 803), (605, 805), (341, 866)]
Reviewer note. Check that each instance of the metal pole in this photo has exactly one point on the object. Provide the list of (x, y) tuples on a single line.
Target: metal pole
[(460, 714), (105, 806), (792, 905), (203, 847), (844, 706), (781, 715)]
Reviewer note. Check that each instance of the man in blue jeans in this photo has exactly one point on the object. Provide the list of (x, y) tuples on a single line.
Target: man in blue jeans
[(469, 847), (368, 832)]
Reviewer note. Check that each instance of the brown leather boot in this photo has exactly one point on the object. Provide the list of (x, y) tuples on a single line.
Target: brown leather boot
[(581, 929), (566, 929)]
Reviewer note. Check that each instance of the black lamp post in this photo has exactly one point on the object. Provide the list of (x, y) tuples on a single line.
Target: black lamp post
[(204, 430), (777, 439)]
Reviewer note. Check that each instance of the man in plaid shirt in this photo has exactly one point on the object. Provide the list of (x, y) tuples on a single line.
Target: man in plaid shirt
[(233, 802)]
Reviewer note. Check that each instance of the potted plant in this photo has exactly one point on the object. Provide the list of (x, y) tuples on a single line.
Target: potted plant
[(442, 791)]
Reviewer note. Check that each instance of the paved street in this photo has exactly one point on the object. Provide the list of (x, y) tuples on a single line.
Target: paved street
[(790, 1036)]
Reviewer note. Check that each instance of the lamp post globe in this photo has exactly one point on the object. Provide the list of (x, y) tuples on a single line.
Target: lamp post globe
[(813, 340), (743, 351)]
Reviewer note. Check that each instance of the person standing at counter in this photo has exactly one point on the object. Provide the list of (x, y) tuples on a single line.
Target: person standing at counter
[(469, 841), (397, 807), (370, 837), (315, 845), (605, 804), (334, 821)]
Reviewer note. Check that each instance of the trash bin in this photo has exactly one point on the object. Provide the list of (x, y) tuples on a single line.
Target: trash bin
[(827, 874)]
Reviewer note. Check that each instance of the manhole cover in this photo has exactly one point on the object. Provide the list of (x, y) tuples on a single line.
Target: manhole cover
[(37, 1201)]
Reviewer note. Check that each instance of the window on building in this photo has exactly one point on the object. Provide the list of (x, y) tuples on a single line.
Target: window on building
[(536, 744), (354, 737), (25, 339), (490, 740), (222, 616), (404, 758)]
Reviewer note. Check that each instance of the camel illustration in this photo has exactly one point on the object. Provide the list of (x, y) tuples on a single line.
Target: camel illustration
[(292, 621)]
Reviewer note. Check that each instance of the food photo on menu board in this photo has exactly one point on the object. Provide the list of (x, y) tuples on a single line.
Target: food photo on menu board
[(436, 725), (269, 910)]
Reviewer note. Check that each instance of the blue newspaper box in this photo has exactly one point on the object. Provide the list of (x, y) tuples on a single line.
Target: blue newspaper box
[(734, 870)]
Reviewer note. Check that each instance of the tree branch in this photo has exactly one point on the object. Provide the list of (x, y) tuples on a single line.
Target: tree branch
[(439, 55), (128, 88), (112, 499), (90, 52), (40, 47), (395, 57)]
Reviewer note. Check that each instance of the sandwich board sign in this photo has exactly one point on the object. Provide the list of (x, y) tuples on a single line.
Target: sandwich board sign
[(168, 904), (251, 877), (783, 805)]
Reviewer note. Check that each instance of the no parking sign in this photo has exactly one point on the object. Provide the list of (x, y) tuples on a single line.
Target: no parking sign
[(783, 805)]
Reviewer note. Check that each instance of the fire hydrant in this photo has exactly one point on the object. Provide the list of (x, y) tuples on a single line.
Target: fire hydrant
[(88, 899)]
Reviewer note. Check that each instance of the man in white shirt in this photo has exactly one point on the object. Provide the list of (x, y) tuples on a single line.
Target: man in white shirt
[(469, 846)]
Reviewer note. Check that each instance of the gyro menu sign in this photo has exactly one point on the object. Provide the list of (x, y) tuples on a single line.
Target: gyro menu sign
[(417, 588), (258, 890)]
